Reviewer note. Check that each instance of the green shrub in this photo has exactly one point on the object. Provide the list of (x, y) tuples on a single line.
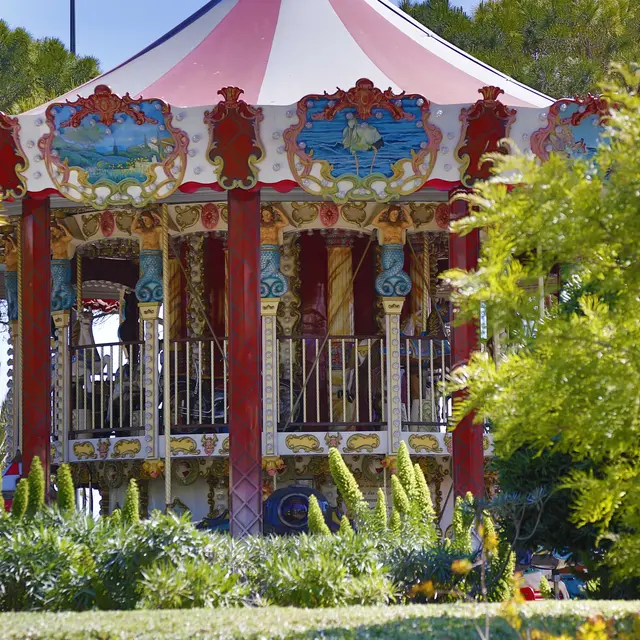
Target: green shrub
[(191, 584), (116, 517), (400, 499), (131, 509), (2, 509), (345, 527), (406, 473), (380, 513), (20, 500), (545, 589), (395, 524), (347, 484), (66, 490), (462, 523), (317, 524), (36, 487)]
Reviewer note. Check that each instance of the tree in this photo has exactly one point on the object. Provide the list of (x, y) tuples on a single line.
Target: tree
[(35, 71), (566, 382), (559, 47)]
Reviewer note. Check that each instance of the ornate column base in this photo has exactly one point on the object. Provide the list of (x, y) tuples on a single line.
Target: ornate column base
[(392, 310)]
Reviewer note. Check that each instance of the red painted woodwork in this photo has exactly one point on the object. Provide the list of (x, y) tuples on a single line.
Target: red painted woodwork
[(234, 140), (11, 158), (36, 333), (215, 285), (484, 125), (245, 449), (364, 292), (468, 453)]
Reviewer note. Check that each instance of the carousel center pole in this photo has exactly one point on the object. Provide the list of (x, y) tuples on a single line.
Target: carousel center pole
[(35, 314), (244, 363)]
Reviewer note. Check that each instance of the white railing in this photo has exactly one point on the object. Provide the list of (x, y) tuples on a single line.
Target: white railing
[(199, 385), (332, 384), (106, 390), (426, 402)]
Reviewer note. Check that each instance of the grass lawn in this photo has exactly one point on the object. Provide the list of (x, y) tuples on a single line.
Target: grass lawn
[(449, 622)]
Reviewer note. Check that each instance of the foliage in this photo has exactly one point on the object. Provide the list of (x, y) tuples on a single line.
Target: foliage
[(567, 382), (380, 512), (401, 504), (116, 517), (455, 622), (317, 524), (35, 71), (20, 500), (2, 508), (461, 524), (66, 490), (36, 487), (345, 527), (347, 484), (406, 474), (425, 514), (131, 509), (395, 524), (559, 47), (191, 584), (545, 589)]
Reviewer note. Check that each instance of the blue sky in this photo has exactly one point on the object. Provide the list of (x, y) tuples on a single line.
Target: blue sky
[(111, 31)]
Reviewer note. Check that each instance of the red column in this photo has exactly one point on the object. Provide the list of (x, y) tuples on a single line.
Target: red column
[(36, 333), (244, 363), (468, 453)]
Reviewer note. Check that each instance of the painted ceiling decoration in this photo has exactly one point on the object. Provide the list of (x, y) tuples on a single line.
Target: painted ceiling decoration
[(238, 96)]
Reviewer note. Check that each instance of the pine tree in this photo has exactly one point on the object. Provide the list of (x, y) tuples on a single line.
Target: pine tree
[(405, 472), (36, 487), (395, 524), (317, 524), (131, 509), (380, 512), (66, 490), (345, 527), (400, 500), (20, 500), (346, 483)]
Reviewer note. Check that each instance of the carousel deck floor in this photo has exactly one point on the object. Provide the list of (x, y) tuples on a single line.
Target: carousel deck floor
[(456, 621)]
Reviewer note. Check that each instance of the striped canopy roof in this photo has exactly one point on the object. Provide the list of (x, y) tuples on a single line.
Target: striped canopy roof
[(278, 51)]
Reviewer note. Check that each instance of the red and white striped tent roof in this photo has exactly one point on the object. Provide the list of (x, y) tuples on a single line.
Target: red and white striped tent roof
[(278, 51)]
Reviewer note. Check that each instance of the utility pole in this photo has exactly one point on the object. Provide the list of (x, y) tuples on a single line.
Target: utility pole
[(72, 25)]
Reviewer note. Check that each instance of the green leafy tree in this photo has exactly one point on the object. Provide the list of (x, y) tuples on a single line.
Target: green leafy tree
[(317, 524), (566, 382), (131, 509), (35, 71), (66, 490), (560, 47), (36, 487), (20, 500)]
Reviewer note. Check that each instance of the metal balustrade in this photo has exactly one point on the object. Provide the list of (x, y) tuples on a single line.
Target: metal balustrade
[(332, 384), (106, 390), (199, 386), (425, 365)]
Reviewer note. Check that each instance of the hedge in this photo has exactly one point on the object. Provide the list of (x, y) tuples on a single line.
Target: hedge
[(453, 622)]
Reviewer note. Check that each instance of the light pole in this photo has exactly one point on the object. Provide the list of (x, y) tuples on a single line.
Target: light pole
[(72, 25)]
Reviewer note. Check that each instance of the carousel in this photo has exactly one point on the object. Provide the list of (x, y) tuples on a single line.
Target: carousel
[(260, 201)]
